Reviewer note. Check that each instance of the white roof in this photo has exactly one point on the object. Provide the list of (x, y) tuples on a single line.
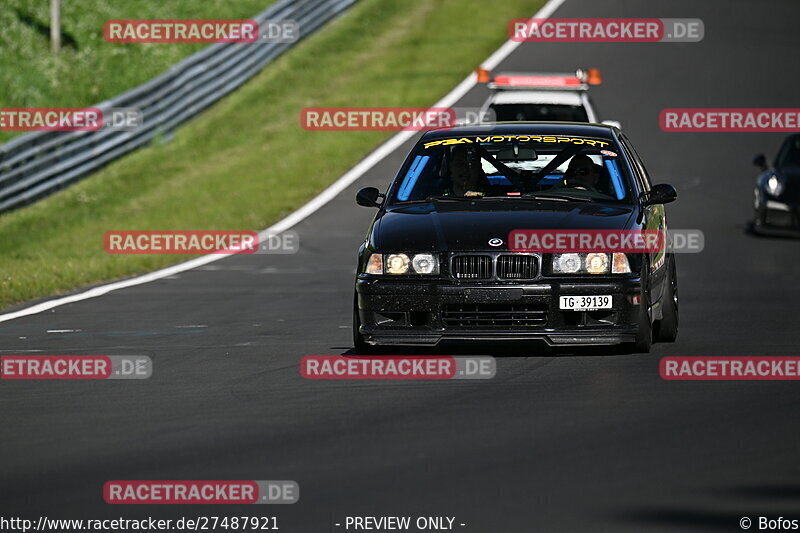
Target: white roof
[(537, 97)]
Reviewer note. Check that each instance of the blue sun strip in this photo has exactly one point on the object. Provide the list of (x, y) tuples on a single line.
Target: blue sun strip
[(616, 178), (411, 177)]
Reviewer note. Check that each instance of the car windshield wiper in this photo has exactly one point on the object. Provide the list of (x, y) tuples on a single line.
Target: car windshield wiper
[(559, 197), (525, 197), (453, 198), (535, 197)]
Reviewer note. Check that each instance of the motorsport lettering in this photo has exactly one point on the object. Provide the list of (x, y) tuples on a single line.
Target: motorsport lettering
[(519, 138)]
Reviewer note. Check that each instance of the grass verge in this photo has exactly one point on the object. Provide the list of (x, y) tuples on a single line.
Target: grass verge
[(89, 70), (246, 162)]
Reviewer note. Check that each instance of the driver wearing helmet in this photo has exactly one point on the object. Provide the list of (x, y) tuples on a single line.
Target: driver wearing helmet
[(466, 173), (582, 173)]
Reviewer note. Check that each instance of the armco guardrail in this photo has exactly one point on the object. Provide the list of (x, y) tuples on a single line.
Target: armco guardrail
[(37, 164)]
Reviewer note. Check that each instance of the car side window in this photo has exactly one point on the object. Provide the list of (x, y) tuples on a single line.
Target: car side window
[(630, 157), (640, 173), (640, 168)]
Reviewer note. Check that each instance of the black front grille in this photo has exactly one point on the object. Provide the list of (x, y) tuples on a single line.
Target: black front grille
[(516, 267), (493, 315), (472, 267)]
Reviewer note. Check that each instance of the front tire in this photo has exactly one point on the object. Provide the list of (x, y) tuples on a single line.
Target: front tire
[(360, 345), (644, 335), (667, 327)]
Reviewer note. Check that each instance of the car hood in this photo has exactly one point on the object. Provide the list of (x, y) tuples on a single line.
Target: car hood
[(460, 226)]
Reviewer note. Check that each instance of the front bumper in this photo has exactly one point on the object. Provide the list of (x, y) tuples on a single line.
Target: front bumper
[(779, 214), (426, 312)]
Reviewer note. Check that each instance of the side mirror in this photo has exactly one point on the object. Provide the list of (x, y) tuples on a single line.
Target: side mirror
[(760, 161), (368, 197), (663, 193)]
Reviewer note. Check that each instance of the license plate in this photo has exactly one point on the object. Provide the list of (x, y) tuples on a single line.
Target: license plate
[(584, 303)]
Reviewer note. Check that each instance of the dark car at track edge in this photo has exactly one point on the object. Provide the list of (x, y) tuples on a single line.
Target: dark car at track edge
[(776, 197)]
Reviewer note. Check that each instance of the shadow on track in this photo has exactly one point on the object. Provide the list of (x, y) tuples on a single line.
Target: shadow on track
[(771, 233), (496, 349)]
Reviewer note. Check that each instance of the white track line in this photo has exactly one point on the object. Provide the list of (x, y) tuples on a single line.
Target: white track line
[(320, 200)]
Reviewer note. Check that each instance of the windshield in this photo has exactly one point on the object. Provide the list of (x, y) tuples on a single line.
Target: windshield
[(512, 166), (539, 112), (789, 155)]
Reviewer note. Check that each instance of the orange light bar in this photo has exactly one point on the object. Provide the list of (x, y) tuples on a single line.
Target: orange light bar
[(593, 76), (483, 75), (537, 81)]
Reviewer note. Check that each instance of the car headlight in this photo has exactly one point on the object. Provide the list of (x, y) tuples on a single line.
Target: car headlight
[(425, 264), (567, 263), (402, 264), (774, 185), (597, 263), (397, 264), (591, 263)]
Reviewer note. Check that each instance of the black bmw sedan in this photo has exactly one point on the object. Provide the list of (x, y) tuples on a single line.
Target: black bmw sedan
[(442, 259)]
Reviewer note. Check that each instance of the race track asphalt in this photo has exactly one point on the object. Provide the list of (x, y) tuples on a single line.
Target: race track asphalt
[(554, 443)]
